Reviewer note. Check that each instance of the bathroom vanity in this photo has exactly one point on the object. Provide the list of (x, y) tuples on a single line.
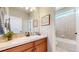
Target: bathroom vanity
[(26, 44)]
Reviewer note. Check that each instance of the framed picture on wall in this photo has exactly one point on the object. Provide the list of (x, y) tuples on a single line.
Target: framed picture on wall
[(35, 23), (45, 20)]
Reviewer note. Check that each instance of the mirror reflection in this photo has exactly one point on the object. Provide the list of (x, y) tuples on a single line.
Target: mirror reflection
[(16, 19)]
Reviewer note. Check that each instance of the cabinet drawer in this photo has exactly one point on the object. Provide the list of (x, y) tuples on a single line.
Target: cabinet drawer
[(20, 48), (40, 41)]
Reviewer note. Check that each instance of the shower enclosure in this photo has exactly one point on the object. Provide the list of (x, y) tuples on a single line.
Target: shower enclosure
[(65, 25)]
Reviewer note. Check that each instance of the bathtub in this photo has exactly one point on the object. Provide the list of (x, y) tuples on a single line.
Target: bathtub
[(66, 45)]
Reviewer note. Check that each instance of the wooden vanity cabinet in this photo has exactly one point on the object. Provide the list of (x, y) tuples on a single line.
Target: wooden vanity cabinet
[(35, 46), (20, 48), (41, 45)]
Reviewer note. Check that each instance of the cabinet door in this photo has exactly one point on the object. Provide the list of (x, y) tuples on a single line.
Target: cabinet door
[(29, 50), (40, 41), (41, 47)]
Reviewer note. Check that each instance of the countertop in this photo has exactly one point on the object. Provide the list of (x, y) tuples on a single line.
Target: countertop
[(20, 41)]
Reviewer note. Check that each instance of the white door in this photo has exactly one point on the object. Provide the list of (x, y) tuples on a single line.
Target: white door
[(77, 28)]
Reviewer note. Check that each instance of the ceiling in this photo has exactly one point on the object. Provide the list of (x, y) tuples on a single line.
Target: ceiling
[(26, 9)]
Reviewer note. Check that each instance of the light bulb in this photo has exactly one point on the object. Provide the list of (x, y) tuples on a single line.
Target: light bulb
[(26, 8), (32, 9)]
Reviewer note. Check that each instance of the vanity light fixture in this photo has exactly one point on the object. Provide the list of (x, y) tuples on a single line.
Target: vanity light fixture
[(30, 8)]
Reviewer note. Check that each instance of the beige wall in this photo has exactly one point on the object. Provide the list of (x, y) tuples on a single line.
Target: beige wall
[(43, 12), (48, 30), (37, 15)]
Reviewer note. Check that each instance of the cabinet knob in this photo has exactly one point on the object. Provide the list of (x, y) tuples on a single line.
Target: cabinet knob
[(76, 33)]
